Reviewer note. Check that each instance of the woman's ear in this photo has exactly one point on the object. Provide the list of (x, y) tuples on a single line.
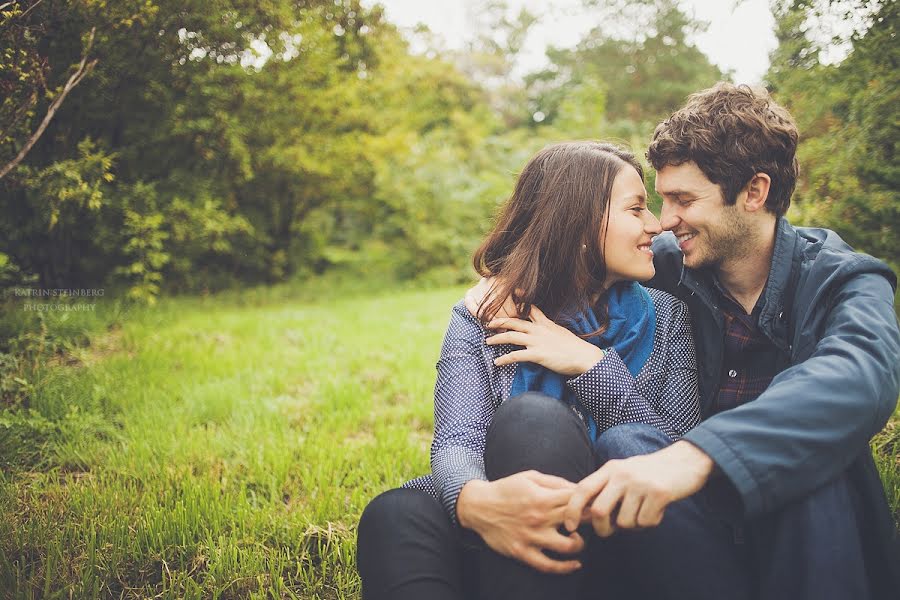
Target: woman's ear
[(757, 192)]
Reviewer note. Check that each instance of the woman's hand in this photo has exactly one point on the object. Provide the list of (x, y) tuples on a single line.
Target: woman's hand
[(546, 343), (520, 515), (481, 293)]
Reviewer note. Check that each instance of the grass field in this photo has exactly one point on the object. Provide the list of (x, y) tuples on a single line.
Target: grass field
[(224, 447)]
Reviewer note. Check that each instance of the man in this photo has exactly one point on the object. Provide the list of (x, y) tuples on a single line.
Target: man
[(799, 356)]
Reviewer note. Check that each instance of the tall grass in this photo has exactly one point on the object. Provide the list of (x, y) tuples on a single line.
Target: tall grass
[(218, 448), (224, 447)]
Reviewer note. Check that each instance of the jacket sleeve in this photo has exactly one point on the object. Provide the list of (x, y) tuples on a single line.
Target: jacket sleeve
[(611, 394), (819, 414), (463, 409)]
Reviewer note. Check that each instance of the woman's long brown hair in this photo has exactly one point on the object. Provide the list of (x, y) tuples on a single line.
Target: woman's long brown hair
[(545, 246)]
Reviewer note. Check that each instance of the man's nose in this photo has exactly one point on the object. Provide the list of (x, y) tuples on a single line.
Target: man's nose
[(668, 216)]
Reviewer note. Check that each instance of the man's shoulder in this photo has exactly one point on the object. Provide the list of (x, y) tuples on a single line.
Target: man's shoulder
[(827, 259)]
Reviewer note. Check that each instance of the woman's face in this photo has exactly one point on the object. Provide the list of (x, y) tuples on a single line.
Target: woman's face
[(630, 229)]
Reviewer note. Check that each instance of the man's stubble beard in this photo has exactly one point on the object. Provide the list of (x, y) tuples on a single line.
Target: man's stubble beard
[(729, 242)]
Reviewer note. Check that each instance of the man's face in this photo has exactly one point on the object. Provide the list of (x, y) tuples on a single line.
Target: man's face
[(709, 232)]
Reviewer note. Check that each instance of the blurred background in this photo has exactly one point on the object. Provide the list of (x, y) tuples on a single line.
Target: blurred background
[(231, 232), (195, 146)]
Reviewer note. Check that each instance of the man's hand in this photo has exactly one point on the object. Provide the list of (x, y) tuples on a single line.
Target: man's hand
[(546, 343), (480, 294), (519, 516), (640, 487)]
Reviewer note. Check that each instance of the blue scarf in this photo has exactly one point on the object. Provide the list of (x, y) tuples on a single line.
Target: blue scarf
[(632, 323)]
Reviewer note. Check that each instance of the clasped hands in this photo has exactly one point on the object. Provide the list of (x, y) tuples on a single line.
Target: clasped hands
[(521, 515)]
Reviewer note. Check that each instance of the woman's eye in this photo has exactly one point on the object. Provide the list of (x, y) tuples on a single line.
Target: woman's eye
[(637, 209)]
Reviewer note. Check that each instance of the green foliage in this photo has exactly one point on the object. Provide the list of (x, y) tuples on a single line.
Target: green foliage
[(226, 142), (640, 55), (849, 118), (69, 185)]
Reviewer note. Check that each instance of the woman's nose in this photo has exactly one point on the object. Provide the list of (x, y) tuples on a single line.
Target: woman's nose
[(651, 224)]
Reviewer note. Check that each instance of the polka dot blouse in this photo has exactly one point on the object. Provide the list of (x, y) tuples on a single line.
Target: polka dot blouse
[(470, 387)]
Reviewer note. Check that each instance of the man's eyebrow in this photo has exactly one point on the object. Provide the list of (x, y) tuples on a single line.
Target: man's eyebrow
[(677, 193)]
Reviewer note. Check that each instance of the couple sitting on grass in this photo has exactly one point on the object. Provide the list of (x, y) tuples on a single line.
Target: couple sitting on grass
[(702, 434)]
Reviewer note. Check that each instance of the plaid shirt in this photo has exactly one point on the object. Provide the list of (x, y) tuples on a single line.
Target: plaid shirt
[(750, 360)]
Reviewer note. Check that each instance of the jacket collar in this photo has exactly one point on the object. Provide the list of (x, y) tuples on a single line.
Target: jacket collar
[(779, 291), (778, 294)]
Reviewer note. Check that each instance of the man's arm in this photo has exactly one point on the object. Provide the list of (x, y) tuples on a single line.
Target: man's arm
[(641, 487), (806, 428), (817, 416)]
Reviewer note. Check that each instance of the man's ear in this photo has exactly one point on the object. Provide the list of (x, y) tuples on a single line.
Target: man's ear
[(757, 192)]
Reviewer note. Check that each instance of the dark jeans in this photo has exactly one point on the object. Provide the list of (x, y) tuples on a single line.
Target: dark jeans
[(408, 548)]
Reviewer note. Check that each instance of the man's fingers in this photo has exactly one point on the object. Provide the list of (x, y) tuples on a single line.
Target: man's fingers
[(540, 561), (628, 511), (603, 527), (555, 502), (651, 512), (587, 490), (602, 510)]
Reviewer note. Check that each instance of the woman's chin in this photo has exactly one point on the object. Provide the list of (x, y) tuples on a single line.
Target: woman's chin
[(646, 275)]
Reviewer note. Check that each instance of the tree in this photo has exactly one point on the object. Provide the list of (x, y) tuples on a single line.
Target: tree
[(644, 76), (849, 118)]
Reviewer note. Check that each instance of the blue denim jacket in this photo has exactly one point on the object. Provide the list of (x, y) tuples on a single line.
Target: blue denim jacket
[(830, 311)]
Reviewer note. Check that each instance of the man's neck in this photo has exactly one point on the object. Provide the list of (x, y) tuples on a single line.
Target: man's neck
[(745, 276)]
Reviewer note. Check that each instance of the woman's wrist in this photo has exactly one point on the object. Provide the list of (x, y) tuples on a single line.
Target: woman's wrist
[(590, 357), (467, 503)]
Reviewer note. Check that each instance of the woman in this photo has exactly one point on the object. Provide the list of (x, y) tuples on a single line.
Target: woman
[(520, 415)]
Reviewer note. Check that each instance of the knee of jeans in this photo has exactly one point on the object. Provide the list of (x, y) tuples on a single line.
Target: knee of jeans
[(536, 431), (398, 509), (630, 439), (529, 408)]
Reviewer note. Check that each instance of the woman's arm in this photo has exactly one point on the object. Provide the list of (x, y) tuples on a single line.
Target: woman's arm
[(463, 409), (517, 516), (611, 393), (602, 381)]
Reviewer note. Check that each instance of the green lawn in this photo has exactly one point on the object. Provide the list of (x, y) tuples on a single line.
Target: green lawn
[(224, 448), (219, 449)]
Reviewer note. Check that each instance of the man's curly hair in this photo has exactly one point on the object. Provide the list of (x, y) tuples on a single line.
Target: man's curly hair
[(732, 132)]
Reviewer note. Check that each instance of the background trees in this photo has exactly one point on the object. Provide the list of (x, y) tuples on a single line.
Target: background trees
[(213, 143), (849, 117)]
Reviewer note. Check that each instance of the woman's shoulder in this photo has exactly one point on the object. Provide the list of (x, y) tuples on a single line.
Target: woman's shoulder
[(667, 306), (463, 323)]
